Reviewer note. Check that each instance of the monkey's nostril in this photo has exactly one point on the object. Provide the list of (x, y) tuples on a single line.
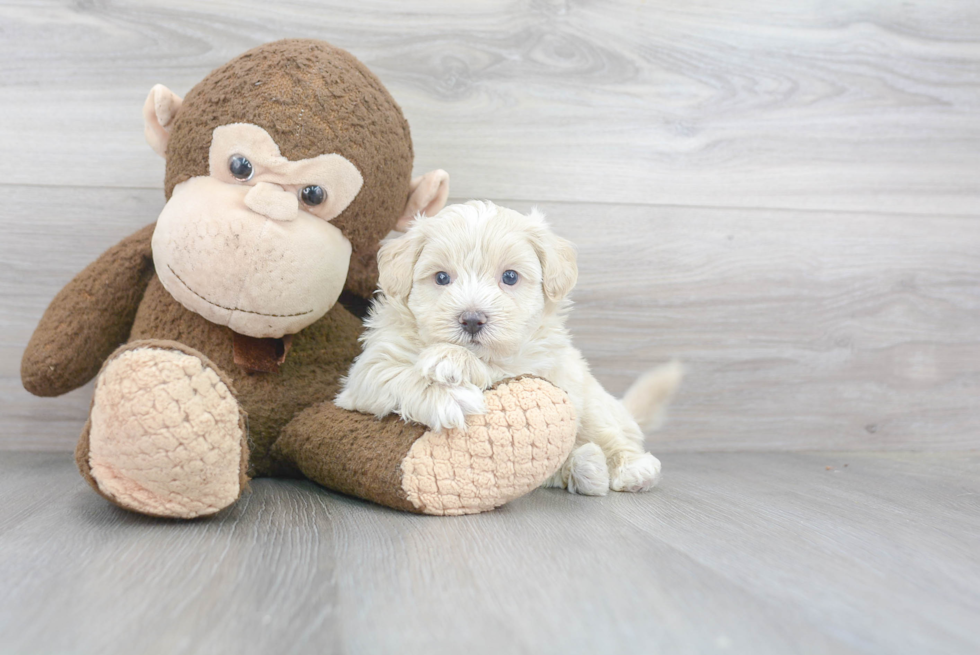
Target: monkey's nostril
[(472, 322)]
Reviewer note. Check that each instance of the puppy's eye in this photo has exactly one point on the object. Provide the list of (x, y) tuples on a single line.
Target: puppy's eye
[(313, 195), (442, 278), (240, 167), (509, 278)]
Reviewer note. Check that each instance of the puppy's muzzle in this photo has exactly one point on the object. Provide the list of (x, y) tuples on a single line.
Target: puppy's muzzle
[(472, 322)]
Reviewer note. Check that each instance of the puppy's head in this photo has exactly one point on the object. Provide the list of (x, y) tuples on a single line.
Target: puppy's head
[(479, 276)]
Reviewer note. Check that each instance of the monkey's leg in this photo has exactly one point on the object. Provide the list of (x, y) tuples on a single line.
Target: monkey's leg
[(165, 435), (524, 437)]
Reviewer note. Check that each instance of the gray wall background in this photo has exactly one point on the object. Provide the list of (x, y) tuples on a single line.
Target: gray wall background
[(783, 196)]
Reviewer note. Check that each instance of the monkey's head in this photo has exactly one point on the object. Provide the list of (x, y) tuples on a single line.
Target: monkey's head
[(280, 165)]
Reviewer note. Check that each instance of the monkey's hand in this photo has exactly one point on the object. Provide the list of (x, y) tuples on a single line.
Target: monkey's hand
[(89, 318)]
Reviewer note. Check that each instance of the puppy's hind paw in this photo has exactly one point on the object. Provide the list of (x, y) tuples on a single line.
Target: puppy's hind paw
[(634, 473), (588, 474)]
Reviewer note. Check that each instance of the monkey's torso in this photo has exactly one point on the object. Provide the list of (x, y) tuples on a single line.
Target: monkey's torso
[(320, 354)]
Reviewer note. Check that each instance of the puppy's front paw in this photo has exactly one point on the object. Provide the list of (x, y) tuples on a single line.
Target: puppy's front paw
[(446, 407), (631, 472), (469, 399), (452, 366)]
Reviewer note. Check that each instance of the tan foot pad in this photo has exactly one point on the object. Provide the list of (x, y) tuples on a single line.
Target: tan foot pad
[(166, 435), (524, 437)]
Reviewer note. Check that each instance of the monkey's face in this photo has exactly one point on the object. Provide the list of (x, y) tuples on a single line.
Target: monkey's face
[(250, 245)]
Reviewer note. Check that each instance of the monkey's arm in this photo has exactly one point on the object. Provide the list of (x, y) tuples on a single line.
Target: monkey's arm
[(89, 318)]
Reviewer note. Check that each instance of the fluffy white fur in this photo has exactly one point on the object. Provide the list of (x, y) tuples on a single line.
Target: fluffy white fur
[(419, 362)]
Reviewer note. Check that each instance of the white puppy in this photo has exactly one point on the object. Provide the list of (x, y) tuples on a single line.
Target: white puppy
[(478, 294)]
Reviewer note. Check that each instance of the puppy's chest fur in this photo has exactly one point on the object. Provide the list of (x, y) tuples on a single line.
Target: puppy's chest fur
[(548, 354)]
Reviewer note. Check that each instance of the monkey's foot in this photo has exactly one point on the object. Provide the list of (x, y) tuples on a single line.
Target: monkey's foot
[(524, 437), (165, 436)]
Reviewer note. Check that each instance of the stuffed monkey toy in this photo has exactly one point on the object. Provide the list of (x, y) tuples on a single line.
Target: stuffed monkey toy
[(218, 334)]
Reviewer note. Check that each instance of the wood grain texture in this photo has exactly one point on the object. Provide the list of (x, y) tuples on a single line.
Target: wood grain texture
[(815, 105), (784, 196), (799, 330), (802, 327), (740, 553), (50, 234)]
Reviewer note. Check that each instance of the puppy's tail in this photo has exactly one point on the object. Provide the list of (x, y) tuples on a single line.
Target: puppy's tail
[(649, 396)]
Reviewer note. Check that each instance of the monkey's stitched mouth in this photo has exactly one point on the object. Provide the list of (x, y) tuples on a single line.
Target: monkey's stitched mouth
[(233, 309)]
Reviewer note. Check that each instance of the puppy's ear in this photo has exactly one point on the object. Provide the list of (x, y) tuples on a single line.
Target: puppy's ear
[(560, 268), (396, 264), (559, 265)]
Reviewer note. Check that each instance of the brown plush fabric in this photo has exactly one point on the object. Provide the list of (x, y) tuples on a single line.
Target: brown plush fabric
[(81, 460), (88, 319), (313, 99), (525, 435), (352, 453), (362, 276), (260, 355), (318, 357)]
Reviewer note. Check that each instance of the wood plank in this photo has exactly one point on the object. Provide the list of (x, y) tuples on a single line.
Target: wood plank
[(857, 106), (800, 330), (744, 553)]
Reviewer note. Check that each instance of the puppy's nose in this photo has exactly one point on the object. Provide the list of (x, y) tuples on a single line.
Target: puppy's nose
[(472, 322)]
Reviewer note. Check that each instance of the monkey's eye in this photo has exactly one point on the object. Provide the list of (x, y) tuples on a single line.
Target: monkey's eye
[(442, 278), (313, 195), (240, 167), (509, 278)]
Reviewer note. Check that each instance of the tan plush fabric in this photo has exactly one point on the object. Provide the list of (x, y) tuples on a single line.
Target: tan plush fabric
[(526, 434), (166, 436), (340, 178), (159, 110), (263, 278), (429, 193)]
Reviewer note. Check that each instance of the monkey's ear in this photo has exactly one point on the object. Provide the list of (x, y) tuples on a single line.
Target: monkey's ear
[(159, 110), (396, 264), (428, 195)]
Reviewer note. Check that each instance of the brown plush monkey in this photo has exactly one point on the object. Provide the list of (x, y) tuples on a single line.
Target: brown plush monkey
[(216, 332)]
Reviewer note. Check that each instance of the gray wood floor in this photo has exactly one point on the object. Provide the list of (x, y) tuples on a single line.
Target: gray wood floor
[(783, 195), (735, 552)]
